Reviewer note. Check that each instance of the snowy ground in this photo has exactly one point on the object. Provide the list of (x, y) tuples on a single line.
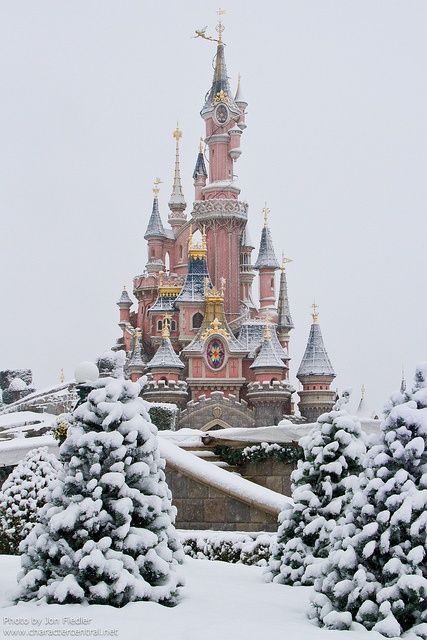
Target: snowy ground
[(219, 601)]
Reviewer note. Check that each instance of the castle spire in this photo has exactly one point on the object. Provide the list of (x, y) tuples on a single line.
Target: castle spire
[(155, 225), (315, 361), (284, 315), (266, 256), (177, 202), (220, 89), (200, 168)]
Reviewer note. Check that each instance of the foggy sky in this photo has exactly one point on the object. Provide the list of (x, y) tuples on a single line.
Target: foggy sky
[(336, 144)]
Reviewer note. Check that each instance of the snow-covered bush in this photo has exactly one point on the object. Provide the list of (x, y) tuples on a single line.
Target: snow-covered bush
[(257, 453), (107, 535), (377, 571), (23, 494), (227, 546), (163, 415), (333, 454)]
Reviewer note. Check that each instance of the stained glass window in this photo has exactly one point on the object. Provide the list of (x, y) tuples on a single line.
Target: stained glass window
[(215, 353)]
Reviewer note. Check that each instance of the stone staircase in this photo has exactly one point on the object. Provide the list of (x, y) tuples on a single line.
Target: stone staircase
[(207, 453)]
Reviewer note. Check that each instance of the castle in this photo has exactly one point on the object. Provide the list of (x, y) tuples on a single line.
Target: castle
[(196, 330)]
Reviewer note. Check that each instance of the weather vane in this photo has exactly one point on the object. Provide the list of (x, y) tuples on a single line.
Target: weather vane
[(201, 33), (285, 261), (265, 211), (315, 314), (156, 187)]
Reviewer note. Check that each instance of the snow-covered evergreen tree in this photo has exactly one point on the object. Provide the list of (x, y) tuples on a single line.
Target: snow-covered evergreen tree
[(333, 453), (377, 571), (107, 535), (23, 494)]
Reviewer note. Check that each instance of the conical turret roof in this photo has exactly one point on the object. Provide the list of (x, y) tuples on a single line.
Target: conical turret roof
[(155, 225), (284, 315), (315, 361), (266, 255), (200, 168), (165, 357), (220, 89), (137, 359), (267, 357), (124, 299)]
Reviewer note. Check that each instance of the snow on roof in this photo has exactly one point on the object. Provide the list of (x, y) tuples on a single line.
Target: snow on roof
[(315, 361)]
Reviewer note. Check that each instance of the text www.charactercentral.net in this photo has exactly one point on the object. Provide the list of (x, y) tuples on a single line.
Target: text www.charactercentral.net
[(46, 627)]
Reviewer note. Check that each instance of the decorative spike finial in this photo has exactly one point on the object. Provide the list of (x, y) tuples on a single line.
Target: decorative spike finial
[(61, 376), (156, 187), (362, 391), (201, 145), (267, 331), (265, 212), (315, 312), (177, 134), (285, 261), (220, 27), (403, 382)]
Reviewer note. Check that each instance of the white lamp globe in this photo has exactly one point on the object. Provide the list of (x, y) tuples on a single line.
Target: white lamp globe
[(86, 372)]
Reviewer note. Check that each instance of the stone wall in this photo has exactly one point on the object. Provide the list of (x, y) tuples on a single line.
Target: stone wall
[(203, 507), (272, 474)]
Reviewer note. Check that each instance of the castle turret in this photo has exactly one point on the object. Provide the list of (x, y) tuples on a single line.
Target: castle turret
[(269, 394), (218, 207), (316, 375), (177, 202), (199, 174), (241, 103), (136, 363), (164, 370), (267, 266), (124, 303), (284, 318), (155, 235)]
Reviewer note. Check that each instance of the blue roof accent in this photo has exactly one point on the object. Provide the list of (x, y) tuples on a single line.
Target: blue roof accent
[(200, 168), (165, 357), (193, 289), (267, 357)]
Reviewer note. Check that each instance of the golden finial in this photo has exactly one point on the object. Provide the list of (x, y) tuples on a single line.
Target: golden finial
[(177, 134), (220, 27), (156, 187), (61, 376), (223, 283), (267, 331), (265, 211), (315, 313), (285, 261), (201, 145), (161, 276)]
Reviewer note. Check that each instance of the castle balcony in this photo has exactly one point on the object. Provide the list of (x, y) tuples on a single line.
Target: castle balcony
[(221, 208)]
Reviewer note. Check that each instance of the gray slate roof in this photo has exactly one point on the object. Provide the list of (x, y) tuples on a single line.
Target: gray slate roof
[(165, 357), (193, 289), (315, 360), (251, 336), (284, 314), (124, 299), (155, 225), (266, 255), (137, 358), (200, 168), (267, 357), (164, 303), (220, 83)]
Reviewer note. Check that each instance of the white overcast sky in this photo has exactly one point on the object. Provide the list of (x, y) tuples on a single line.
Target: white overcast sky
[(336, 143)]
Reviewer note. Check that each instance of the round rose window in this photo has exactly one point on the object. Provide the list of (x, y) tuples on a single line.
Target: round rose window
[(215, 353)]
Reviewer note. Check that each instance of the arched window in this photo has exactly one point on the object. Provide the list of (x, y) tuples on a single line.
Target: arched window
[(159, 325), (197, 320), (173, 325), (180, 252), (272, 284), (167, 262)]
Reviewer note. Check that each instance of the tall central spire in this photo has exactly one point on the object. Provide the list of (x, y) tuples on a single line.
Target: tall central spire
[(177, 202)]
